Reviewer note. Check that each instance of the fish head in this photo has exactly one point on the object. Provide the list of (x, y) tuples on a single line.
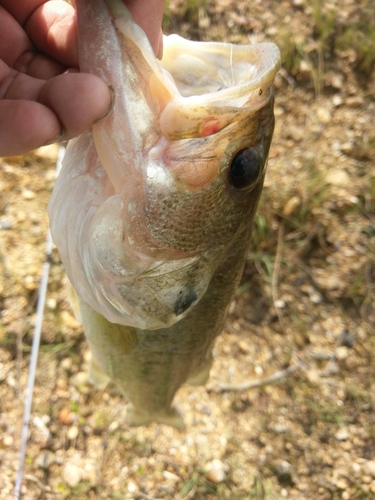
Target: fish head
[(179, 162)]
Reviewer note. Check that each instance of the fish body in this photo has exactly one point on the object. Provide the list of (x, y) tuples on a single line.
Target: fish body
[(153, 208)]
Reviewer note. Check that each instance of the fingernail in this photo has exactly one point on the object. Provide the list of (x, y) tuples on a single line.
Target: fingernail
[(57, 139), (111, 105)]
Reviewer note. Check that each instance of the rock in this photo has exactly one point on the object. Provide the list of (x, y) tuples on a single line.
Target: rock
[(337, 100), (215, 471), (347, 339), (169, 476), (342, 434), (283, 471), (27, 194), (337, 178), (72, 433), (296, 133), (6, 224), (291, 205), (369, 468), (45, 459), (355, 101), (65, 416), (79, 379), (341, 352), (69, 321), (51, 303), (72, 474), (347, 148), (243, 347), (342, 484), (132, 487), (324, 116)]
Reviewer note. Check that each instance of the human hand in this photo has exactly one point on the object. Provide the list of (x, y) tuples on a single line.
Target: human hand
[(43, 97)]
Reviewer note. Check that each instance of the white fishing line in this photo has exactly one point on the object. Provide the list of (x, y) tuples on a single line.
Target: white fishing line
[(35, 346)]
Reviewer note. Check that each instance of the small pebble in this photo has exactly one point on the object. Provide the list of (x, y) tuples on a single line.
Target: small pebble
[(354, 102), (69, 321), (342, 434), (369, 468), (341, 352), (65, 416), (215, 471), (366, 479), (72, 433), (244, 347), (169, 476), (6, 224), (342, 484), (296, 133), (337, 177), (337, 100), (7, 440), (45, 459), (283, 471), (29, 283), (79, 379), (132, 487), (291, 205), (51, 303), (324, 116), (347, 147), (27, 194), (72, 475), (113, 426)]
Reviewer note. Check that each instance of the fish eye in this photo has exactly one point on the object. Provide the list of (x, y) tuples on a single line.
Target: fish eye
[(245, 168)]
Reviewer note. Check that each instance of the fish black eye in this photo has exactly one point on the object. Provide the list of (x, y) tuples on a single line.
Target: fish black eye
[(245, 168)]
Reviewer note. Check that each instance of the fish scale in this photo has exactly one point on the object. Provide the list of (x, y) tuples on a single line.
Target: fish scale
[(153, 209)]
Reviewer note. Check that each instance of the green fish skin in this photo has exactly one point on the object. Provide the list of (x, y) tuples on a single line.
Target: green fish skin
[(153, 209)]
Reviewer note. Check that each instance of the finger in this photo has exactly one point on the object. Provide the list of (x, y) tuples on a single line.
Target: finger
[(13, 39), (21, 10), (77, 99), (53, 30), (148, 14), (68, 103), (26, 125)]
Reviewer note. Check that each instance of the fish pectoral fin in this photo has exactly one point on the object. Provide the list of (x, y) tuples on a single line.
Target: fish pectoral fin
[(136, 417), (201, 376), (97, 376)]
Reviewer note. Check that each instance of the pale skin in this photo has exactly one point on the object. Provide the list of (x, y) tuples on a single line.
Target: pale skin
[(43, 97)]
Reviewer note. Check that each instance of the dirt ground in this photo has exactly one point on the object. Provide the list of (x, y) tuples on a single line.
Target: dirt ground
[(306, 303)]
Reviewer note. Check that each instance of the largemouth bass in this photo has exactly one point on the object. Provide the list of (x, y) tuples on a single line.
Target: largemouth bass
[(153, 209)]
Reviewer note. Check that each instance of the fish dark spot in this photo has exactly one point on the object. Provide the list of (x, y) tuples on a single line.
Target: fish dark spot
[(184, 301), (260, 92), (245, 168)]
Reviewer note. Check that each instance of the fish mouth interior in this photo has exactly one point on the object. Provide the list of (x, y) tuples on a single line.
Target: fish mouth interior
[(200, 68)]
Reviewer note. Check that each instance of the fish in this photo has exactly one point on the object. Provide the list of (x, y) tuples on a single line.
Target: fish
[(153, 209)]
